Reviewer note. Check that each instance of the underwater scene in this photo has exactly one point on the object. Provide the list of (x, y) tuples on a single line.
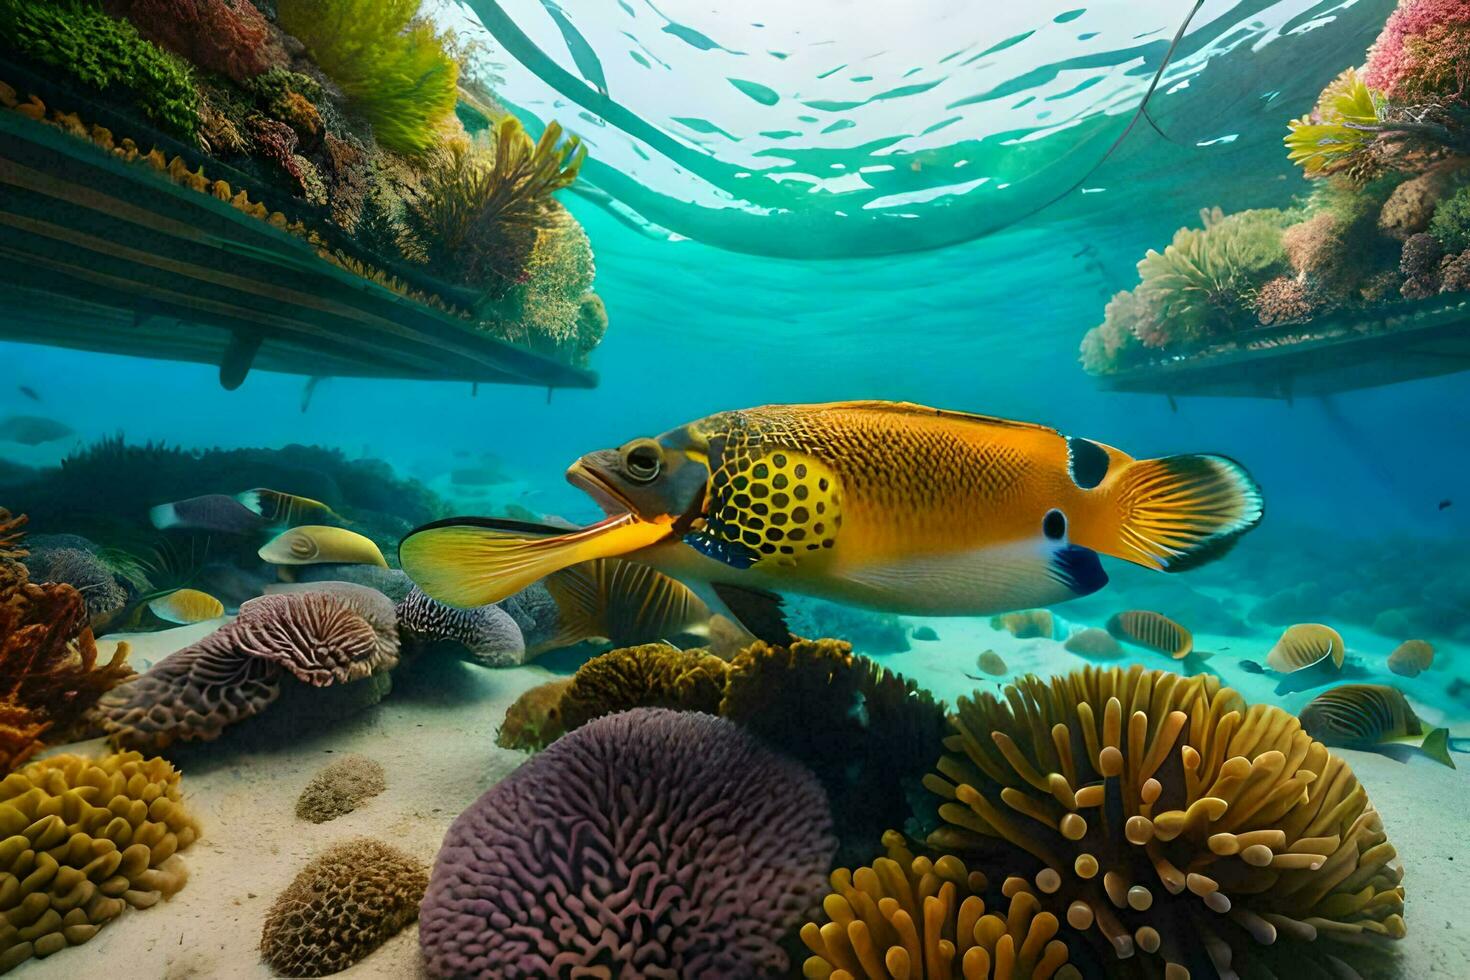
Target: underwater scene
[(836, 490)]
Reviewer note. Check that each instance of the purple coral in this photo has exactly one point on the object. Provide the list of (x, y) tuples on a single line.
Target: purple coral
[(646, 843)]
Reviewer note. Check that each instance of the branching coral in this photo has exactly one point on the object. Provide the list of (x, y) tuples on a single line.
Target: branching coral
[(651, 842), (391, 64), (481, 213), (106, 54), (49, 673), (81, 840), (226, 36), (653, 675), (1423, 52), (341, 907), (913, 917), (1161, 815)]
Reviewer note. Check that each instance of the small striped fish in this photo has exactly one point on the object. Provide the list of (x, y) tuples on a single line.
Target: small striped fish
[(1153, 631), (1305, 644), (1364, 716)]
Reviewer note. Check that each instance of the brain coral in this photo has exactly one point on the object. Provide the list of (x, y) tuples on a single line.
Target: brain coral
[(488, 633), (1160, 814), (534, 720), (908, 916), (653, 675), (341, 907), (340, 788), (650, 843), (80, 841), (321, 635)]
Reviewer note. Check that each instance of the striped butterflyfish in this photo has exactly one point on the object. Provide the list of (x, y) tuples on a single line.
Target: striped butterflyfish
[(1364, 716)]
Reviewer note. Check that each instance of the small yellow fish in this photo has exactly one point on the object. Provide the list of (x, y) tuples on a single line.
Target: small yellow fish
[(186, 606), (887, 505), (1304, 645), (288, 509), (314, 544), (1411, 657)]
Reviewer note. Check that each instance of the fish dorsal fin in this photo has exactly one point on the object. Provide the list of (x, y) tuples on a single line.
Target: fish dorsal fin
[(769, 507), (758, 611), (913, 408), (468, 562)]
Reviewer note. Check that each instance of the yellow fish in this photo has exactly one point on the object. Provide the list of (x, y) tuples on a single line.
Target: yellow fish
[(276, 507), (887, 505), (314, 544), (186, 606)]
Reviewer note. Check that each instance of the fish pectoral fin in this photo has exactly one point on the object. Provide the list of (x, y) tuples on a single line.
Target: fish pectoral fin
[(465, 562), (580, 604), (1077, 569), (759, 612)]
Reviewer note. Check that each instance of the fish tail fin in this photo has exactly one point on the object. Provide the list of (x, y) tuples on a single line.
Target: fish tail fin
[(1175, 513), (1436, 745), (164, 516), (467, 562)]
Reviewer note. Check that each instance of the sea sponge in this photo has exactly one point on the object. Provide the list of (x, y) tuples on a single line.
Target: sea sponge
[(647, 843), (1146, 806), (1411, 657), (1451, 221), (534, 720), (1454, 273), (1411, 205), (226, 36), (1130, 320), (653, 675), (1419, 263), (1284, 299), (908, 916), (868, 733), (80, 841), (83, 571), (1027, 624), (343, 905), (340, 788), (488, 633), (49, 673)]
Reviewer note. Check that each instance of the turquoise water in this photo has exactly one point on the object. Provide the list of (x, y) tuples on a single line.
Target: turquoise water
[(837, 202)]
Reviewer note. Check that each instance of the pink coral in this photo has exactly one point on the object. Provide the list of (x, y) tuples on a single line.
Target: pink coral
[(1415, 54), (227, 36)]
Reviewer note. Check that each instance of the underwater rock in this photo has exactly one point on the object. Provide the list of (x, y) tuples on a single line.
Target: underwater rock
[(534, 720), (488, 634), (1095, 644), (653, 675), (339, 788), (698, 891), (1293, 604), (1198, 843), (1394, 623), (925, 634), (1411, 657), (49, 673), (343, 905), (87, 838), (992, 663), (910, 908)]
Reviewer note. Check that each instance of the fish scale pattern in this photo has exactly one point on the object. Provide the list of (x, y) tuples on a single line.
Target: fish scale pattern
[(649, 843)]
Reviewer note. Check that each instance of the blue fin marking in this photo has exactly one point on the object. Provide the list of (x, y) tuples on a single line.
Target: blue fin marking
[(1079, 569), (735, 555)]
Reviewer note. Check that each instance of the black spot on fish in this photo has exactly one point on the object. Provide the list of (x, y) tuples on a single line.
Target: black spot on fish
[(796, 534), (780, 500), (801, 492), (775, 533), (779, 481), (779, 459), (759, 490), (1054, 525), (761, 471), (1087, 462), (801, 471)]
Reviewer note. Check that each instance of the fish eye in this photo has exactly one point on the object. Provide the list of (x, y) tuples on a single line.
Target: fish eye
[(643, 460)]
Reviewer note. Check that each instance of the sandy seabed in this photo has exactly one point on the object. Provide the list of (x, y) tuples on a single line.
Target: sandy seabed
[(434, 736)]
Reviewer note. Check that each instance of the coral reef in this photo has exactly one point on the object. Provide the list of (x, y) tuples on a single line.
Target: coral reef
[(339, 788), (105, 54), (1146, 806), (83, 571), (488, 634), (391, 64), (320, 638), (49, 672), (534, 720), (84, 839), (651, 842), (907, 916), (653, 675), (226, 36), (1451, 222), (1423, 52), (341, 907)]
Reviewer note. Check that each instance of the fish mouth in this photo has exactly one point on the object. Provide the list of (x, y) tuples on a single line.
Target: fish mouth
[(595, 485)]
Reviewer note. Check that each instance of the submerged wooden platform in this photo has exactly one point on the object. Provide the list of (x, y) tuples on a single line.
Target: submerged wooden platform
[(1400, 342), (100, 254)]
